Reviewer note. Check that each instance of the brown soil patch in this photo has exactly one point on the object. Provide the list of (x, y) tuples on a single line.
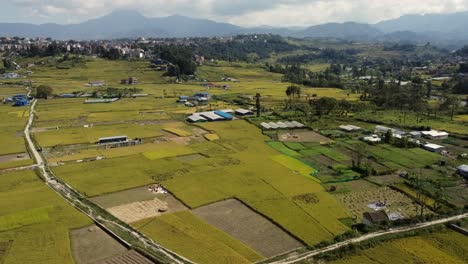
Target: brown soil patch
[(90, 244), (14, 157), (249, 227), (136, 211), (130, 257), (303, 136)]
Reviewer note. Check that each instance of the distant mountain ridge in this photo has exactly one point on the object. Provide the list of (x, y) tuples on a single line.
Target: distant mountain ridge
[(442, 29)]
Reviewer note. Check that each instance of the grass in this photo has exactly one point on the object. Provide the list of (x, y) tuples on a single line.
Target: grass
[(279, 146), (14, 164), (12, 122), (177, 131), (38, 223), (196, 240)]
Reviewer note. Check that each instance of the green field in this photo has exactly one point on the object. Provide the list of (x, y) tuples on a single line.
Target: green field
[(193, 238), (12, 122), (38, 223)]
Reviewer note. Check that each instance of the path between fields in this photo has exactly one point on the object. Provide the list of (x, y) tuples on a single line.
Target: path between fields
[(309, 254), (73, 197)]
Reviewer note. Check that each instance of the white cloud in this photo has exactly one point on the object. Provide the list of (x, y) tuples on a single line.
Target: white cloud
[(246, 12)]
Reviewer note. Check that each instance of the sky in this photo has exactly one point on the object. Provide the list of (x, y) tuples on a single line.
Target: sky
[(280, 13)]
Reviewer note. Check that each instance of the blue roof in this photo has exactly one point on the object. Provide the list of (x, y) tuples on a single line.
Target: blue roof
[(224, 115)]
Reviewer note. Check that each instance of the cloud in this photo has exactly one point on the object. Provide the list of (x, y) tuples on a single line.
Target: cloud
[(245, 12)]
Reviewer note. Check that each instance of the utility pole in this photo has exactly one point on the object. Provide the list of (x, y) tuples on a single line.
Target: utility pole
[(258, 104)]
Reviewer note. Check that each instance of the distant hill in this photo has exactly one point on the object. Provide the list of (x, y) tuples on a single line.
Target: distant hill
[(339, 30), (444, 23), (122, 24), (445, 30)]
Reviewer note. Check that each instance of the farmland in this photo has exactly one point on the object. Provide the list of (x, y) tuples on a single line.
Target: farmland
[(36, 209), (227, 187), (442, 247), (195, 239)]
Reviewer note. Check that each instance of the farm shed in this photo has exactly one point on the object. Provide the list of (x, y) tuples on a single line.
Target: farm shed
[(434, 134), (463, 171), (273, 125), (100, 101), (370, 218), (372, 139), (349, 128), (243, 112), (115, 139), (224, 115), (21, 102), (383, 130), (196, 118), (211, 116), (415, 134), (265, 125), (433, 147), (299, 125)]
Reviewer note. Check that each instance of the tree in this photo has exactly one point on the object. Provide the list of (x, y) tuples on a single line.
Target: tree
[(451, 104), (44, 91), (359, 154), (389, 137), (257, 96)]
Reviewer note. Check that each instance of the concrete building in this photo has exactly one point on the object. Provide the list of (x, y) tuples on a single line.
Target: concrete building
[(434, 134), (433, 147)]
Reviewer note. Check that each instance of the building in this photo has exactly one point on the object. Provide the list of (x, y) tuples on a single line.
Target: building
[(243, 112), (116, 139), (129, 81), (96, 84), (21, 102), (372, 139), (384, 130), (350, 128), (415, 134), (224, 115), (463, 171), (371, 218), (434, 134), (433, 147), (100, 101), (10, 75)]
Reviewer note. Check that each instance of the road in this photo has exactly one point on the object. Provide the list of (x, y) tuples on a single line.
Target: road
[(77, 200), (309, 254)]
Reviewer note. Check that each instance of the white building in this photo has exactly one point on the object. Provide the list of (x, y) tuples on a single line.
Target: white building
[(434, 134)]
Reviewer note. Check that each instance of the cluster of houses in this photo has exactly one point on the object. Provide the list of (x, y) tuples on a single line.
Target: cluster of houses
[(194, 100), (17, 100), (11, 75), (218, 115), (413, 136), (129, 81)]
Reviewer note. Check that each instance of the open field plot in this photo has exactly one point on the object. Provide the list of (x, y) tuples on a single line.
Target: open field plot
[(36, 209), (110, 175), (196, 240), (232, 217), (303, 136), (111, 72), (12, 122), (438, 248), (91, 244), (128, 257), (88, 135), (269, 190), (67, 112), (125, 197), (357, 200)]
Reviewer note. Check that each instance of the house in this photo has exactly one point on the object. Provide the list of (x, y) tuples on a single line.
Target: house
[(433, 147), (371, 218), (415, 134), (67, 95), (196, 118), (243, 112), (372, 139), (349, 128), (434, 134), (384, 130), (10, 75), (202, 95), (21, 102), (224, 115), (463, 171), (96, 84), (129, 81)]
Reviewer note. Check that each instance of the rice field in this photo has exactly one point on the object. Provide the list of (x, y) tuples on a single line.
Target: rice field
[(440, 248), (193, 238), (38, 224)]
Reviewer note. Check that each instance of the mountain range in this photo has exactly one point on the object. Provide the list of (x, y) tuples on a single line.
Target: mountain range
[(440, 29)]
